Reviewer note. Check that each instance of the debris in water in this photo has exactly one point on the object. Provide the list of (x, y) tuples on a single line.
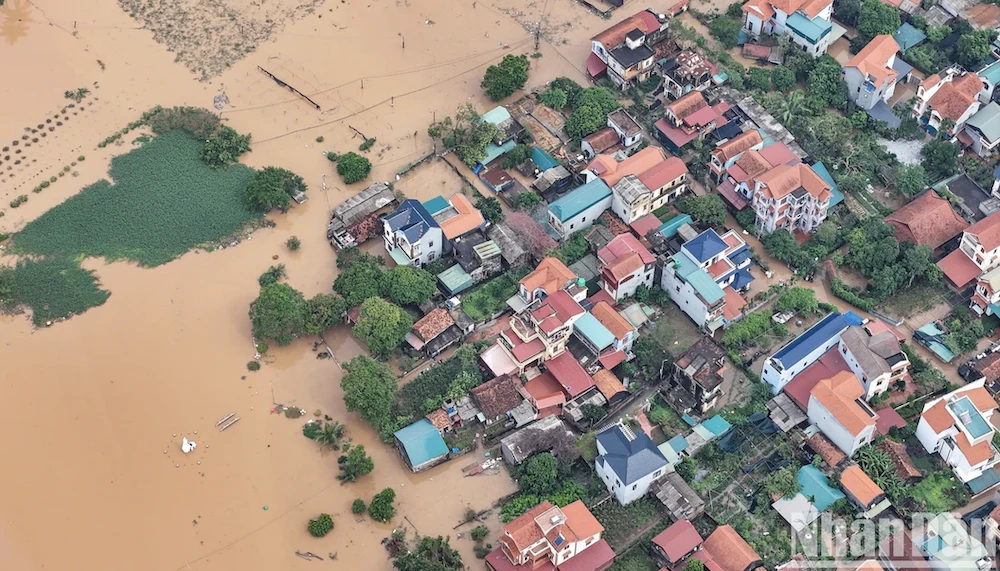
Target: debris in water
[(188, 445), (227, 417), (228, 424)]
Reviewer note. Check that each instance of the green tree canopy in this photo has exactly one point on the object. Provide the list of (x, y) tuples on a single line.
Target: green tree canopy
[(973, 48), (782, 483), (708, 210), (490, 208), (272, 188), (503, 79), (539, 474), (278, 313), (797, 299), (359, 281), (877, 18), (783, 78), (516, 156), (324, 311), (571, 88), (726, 30), (554, 99), (224, 147), (407, 285), (848, 11), (910, 179), (466, 134), (826, 82), (381, 507), (759, 78), (430, 554), (382, 326), (369, 387), (353, 167), (827, 233), (584, 121), (599, 98), (354, 464), (940, 158)]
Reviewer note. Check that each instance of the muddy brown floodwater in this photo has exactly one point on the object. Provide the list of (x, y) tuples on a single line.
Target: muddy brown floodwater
[(93, 402)]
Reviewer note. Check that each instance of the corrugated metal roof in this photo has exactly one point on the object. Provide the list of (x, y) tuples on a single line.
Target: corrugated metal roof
[(594, 331), (455, 279), (422, 442), (487, 249)]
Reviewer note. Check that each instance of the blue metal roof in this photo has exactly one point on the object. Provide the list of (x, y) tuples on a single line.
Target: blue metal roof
[(812, 30), (836, 196), (816, 486), (907, 36), (853, 319), (580, 199), (679, 443), (436, 204), (595, 332), (717, 425), (699, 279), (632, 459), (816, 336), (670, 227), (706, 246), (412, 219), (542, 160), (742, 279), (740, 256), (421, 442)]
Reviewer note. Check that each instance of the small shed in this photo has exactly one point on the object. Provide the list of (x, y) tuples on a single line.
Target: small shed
[(455, 280), (421, 445)]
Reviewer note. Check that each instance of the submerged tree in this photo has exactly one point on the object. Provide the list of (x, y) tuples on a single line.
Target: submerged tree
[(278, 313), (503, 79)]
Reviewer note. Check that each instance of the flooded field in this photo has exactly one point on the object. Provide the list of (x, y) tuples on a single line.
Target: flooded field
[(104, 399)]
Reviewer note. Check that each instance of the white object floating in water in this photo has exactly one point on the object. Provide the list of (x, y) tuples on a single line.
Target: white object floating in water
[(188, 445)]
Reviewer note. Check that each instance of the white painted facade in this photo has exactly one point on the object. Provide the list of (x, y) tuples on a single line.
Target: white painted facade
[(581, 221), (837, 432), (944, 443), (421, 252), (624, 494), (776, 375)]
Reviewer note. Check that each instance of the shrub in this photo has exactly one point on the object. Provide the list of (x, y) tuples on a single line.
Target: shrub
[(293, 243), (272, 275), (224, 147), (353, 167), (19, 201), (262, 348), (369, 143), (354, 464), (81, 158), (321, 526), (381, 507), (272, 188), (319, 139), (527, 200), (358, 506), (479, 533), (253, 366), (44, 184), (312, 429)]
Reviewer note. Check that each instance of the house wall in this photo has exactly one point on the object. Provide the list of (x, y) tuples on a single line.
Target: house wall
[(978, 254), (753, 24), (873, 386), (625, 494), (581, 221), (684, 296), (629, 213), (626, 288), (429, 248), (928, 438), (777, 378), (831, 427), (865, 99)]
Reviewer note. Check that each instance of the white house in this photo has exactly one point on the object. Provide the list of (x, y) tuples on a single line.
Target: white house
[(982, 131), (553, 536), (641, 183), (628, 129), (837, 408), (726, 154), (806, 22), (627, 265), (412, 236), (804, 350), (628, 462), (793, 197), (957, 426), (876, 358), (578, 209), (978, 252), (872, 75), (950, 95), (624, 51)]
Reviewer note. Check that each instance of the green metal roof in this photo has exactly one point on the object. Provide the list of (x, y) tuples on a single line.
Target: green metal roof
[(987, 121), (698, 278), (436, 204), (594, 331), (815, 485), (580, 199), (494, 152), (455, 279), (496, 115), (670, 227), (991, 73), (812, 30), (543, 160), (399, 257), (836, 197), (422, 442), (908, 36)]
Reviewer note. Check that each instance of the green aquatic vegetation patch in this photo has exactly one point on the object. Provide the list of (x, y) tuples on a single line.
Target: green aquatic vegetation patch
[(164, 201), (52, 287)]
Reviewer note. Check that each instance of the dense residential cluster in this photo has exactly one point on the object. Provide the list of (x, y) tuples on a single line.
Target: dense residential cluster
[(696, 296)]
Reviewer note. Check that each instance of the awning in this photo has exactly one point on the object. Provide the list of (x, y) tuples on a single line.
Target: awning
[(882, 112), (958, 269), (984, 482), (497, 361), (728, 192), (414, 341), (742, 279), (517, 304), (399, 257), (595, 67)]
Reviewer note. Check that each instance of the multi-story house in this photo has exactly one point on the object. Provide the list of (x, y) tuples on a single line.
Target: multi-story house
[(411, 235), (978, 252), (578, 208), (950, 96), (986, 299), (957, 427), (837, 408), (805, 22), (871, 77), (641, 183), (628, 462), (626, 127), (549, 537), (803, 351), (688, 71), (627, 265), (876, 358), (689, 118), (726, 154), (704, 278), (624, 51), (603, 142), (793, 197), (548, 277), (740, 178), (982, 131), (698, 372), (622, 330), (541, 332)]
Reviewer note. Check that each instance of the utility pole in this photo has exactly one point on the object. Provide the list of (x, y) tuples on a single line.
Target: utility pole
[(538, 33)]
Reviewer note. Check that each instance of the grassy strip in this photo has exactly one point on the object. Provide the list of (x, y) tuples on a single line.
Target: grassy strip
[(53, 288), (621, 523), (164, 201)]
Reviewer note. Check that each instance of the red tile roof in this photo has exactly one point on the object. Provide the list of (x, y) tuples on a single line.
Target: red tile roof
[(523, 531), (734, 304), (615, 35), (622, 245), (523, 351), (663, 173), (611, 171), (738, 144), (497, 396), (602, 140), (905, 468), (958, 268), (687, 104), (888, 418), (778, 154), (611, 319), (956, 96), (729, 550), (784, 179), (827, 450), (840, 395), (544, 387), (643, 225), (860, 486), (987, 231), (608, 383), (983, 16), (873, 59), (569, 374), (678, 540), (927, 220), (550, 274), (433, 324), (597, 557), (556, 311), (600, 296), (831, 363)]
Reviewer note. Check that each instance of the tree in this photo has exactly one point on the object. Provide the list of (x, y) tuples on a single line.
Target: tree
[(369, 388), (490, 208), (466, 135), (792, 106), (527, 200), (848, 12), (272, 275), (278, 313), (910, 179), (584, 121), (407, 285), (973, 48), (508, 76), (224, 147), (539, 474), (329, 435), (431, 554), (358, 506), (354, 464), (592, 412), (599, 98), (293, 243), (381, 508), (320, 526), (271, 188), (479, 533), (516, 156), (353, 167), (726, 30), (694, 565), (782, 483), (940, 158), (324, 311), (798, 299), (571, 88), (918, 262), (708, 210), (826, 82), (359, 281), (735, 11), (382, 326), (759, 78), (532, 235), (937, 33), (876, 19), (827, 233), (554, 99), (783, 78)]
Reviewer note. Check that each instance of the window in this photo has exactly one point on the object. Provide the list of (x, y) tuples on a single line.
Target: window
[(571, 226), (584, 219), (431, 245), (430, 257), (634, 486)]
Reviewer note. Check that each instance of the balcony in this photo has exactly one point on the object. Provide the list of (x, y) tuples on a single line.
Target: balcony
[(525, 331)]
